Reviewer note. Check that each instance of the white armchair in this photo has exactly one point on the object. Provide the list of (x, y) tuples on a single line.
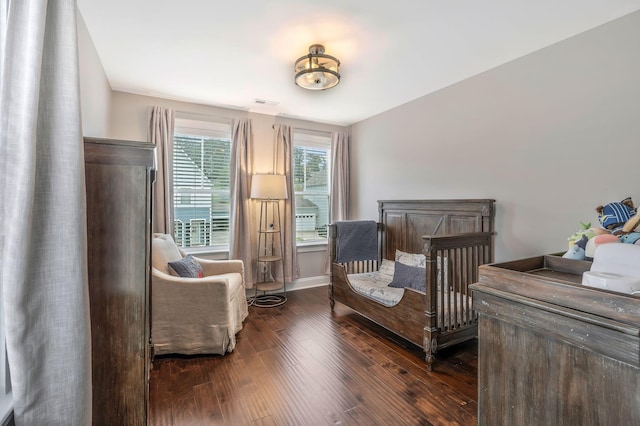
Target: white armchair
[(195, 315)]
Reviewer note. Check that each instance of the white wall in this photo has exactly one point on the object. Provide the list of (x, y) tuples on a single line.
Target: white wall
[(95, 91), (550, 136)]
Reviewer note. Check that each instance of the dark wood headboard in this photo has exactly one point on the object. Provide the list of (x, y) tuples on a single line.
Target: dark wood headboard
[(406, 221)]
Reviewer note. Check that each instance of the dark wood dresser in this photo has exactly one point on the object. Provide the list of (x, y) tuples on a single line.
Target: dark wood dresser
[(118, 183), (554, 352)]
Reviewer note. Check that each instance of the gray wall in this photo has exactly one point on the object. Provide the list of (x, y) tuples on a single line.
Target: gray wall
[(550, 136), (113, 114), (129, 121), (547, 135)]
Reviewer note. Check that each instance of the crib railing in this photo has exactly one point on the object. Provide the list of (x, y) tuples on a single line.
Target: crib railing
[(452, 263)]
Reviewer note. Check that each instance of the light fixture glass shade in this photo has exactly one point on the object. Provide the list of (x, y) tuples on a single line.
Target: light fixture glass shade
[(269, 187), (317, 71)]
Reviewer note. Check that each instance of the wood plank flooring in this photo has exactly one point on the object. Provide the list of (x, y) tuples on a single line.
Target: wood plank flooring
[(301, 364)]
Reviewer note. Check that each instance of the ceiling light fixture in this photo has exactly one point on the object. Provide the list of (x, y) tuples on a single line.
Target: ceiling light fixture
[(317, 71)]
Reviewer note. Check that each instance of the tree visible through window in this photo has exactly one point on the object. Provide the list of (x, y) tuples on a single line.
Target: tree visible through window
[(311, 168), (201, 189)]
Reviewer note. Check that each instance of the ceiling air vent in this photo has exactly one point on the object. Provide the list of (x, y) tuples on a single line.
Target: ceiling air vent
[(265, 102)]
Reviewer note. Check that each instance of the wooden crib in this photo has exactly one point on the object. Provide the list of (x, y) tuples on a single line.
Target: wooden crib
[(456, 236)]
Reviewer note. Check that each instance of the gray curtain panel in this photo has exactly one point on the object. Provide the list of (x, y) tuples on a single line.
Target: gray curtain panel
[(160, 133), (242, 226), (283, 164), (43, 216)]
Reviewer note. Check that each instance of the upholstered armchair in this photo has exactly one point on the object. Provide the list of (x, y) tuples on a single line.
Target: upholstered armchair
[(194, 315)]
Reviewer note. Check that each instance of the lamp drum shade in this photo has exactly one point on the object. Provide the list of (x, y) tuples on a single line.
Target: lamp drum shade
[(269, 187)]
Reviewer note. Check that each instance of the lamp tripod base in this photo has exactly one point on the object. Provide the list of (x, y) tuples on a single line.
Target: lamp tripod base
[(268, 300)]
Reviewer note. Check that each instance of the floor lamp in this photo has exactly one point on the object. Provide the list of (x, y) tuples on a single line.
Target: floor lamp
[(269, 190)]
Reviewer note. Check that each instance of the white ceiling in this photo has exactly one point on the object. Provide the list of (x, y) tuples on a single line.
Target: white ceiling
[(228, 53)]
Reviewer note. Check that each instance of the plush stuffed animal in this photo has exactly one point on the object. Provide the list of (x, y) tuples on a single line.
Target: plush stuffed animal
[(614, 216), (596, 241), (577, 250), (632, 225), (585, 230), (631, 238)]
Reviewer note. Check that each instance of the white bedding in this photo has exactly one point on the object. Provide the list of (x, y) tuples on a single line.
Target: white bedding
[(375, 285)]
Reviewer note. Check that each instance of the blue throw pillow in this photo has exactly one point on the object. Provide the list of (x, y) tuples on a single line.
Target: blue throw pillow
[(413, 277), (187, 267)]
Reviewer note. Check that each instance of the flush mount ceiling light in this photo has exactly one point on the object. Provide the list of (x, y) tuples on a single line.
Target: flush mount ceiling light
[(317, 71)]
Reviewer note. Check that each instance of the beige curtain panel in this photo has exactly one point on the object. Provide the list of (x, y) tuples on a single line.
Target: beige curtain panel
[(242, 227), (160, 133), (283, 164)]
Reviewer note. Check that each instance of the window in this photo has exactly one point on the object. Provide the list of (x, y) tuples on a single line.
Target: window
[(201, 192), (311, 177)]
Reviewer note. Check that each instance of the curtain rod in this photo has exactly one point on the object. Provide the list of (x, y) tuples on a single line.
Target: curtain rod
[(273, 126), (209, 116)]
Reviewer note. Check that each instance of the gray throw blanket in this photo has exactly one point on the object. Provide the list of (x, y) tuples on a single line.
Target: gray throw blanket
[(356, 240)]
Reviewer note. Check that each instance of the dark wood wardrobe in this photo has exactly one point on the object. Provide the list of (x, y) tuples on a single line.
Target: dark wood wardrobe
[(119, 177)]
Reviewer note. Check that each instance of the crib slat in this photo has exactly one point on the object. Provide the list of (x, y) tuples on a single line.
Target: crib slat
[(441, 302), (360, 266), (454, 304)]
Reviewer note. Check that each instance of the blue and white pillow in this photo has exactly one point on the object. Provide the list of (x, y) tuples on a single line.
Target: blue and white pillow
[(419, 260), (187, 267), (406, 276)]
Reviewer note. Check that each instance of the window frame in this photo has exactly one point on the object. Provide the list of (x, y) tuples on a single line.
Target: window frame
[(201, 128), (317, 140)]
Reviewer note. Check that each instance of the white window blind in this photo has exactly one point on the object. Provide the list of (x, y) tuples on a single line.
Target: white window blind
[(201, 159), (311, 172)]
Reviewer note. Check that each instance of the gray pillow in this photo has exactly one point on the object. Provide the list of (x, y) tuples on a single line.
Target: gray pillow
[(413, 277), (187, 267)]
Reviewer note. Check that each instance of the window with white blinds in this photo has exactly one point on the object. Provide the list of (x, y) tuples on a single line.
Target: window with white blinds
[(311, 172), (201, 192)]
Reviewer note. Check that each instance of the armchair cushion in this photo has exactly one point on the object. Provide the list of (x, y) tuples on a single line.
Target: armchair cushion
[(163, 251), (187, 267)]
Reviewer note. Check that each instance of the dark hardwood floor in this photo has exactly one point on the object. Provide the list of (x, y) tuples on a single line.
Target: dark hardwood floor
[(301, 364)]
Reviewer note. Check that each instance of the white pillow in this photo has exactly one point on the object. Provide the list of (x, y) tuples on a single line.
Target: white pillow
[(411, 259), (387, 269)]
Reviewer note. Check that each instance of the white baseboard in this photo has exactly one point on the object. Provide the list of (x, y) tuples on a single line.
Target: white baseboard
[(300, 284), (310, 282)]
